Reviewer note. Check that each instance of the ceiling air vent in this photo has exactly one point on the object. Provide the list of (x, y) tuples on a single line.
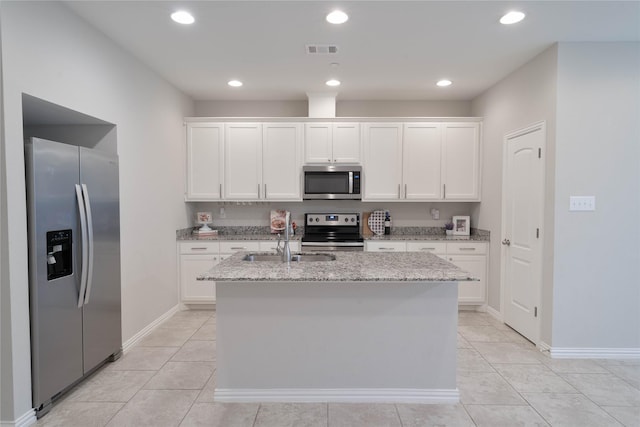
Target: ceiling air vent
[(321, 48)]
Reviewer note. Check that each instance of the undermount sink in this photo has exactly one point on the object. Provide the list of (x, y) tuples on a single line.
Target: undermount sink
[(294, 257)]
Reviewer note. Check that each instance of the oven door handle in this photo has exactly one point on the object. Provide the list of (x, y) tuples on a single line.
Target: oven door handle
[(346, 244)]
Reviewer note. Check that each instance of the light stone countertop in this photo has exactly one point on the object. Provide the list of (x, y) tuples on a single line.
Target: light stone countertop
[(348, 267)]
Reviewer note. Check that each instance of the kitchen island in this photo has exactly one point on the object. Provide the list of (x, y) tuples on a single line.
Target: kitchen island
[(366, 327)]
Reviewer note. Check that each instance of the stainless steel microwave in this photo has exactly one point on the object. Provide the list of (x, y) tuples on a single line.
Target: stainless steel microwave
[(332, 182)]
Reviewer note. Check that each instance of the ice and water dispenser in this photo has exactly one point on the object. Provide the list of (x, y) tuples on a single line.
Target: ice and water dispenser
[(59, 255)]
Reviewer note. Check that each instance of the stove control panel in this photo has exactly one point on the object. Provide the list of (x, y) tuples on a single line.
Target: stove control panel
[(351, 219)]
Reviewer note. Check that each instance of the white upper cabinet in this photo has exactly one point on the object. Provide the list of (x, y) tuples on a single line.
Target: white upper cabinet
[(243, 161), (205, 153), (332, 143), (461, 161), (421, 153), (382, 172), (281, 161)]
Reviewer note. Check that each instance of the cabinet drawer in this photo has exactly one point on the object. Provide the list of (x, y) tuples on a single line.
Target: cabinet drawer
[(270, 246), (239, 245), (433, 247), (199, 247), (387, 246), (467, 248)]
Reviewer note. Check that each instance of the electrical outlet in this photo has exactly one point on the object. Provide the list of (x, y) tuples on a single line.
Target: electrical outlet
[(582, 203), (435, 213), (222, 213)]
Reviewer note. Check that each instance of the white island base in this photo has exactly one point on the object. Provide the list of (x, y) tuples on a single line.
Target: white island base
[(336, 341)]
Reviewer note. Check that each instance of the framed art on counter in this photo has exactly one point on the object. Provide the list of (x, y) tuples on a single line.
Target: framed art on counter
[(461, 225)]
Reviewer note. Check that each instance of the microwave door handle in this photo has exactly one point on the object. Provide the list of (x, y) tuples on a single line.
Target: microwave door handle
[(350, 182)]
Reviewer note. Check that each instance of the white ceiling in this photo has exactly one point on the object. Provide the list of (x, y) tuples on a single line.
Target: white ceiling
[(388, 50)]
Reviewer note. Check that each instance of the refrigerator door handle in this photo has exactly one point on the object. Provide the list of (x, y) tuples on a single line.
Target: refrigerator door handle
[(85, 245), (87, 204)]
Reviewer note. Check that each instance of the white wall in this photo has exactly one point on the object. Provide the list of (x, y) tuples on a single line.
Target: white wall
[(50, 53), (343, 108), (597, 256), (526, 96)]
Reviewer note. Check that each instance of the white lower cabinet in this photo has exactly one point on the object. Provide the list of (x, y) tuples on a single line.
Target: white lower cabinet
[(195, 258), (469, 256)]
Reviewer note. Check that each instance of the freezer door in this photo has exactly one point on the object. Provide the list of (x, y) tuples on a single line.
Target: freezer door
[(102, 333), (52, 171)]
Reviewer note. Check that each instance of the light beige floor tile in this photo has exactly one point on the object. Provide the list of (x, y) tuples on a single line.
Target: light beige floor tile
[(221, 415), (507, 353), (463, 343), (155, 408), (207, 393), (629, 416), (470, 360), (569, 410), (292, 414), (184, 322), (505, 416), (143, 359), (486, 389), (573, 366), (626, 362), (111, 386), (482, 333), (168, 336), (605, 389), (196, 351), (433, 415), (629, 373), (80, 414), (181, 376), (514, 337), (206, 332), (363, 415), (470, 318), (533, 378)]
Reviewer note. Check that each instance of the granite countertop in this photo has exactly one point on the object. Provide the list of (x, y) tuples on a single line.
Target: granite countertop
[(444, 238), (222, 237), (347, 267)]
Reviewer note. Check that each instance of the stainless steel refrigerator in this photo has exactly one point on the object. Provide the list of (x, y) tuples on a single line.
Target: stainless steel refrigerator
[(74, 264)]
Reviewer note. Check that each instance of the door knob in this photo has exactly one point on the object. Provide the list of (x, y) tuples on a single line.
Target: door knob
[(506, 242)]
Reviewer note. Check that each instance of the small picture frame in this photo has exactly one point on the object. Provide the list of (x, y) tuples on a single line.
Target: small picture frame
[(461, 225)]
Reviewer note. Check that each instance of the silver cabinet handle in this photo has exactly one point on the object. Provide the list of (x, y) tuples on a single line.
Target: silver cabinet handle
[(387, 249), (198, 249), (237, 248), (87, 206), (221, 191), (399, 191), (258, 191), (265, 191), (444, 191), (427, 249), (85, 246), (405, 191), (506, 242), (467, 249)]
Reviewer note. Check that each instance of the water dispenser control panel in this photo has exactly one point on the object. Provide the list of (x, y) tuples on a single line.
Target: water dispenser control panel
[(59, 254)]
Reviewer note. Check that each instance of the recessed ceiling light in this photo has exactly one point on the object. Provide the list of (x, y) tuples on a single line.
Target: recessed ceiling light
[(444, 83), (235, 83), (183, 17), (512, 17), (337, 17), (333, 82)]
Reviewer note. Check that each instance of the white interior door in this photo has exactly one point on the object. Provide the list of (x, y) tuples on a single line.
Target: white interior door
[(523, 202)]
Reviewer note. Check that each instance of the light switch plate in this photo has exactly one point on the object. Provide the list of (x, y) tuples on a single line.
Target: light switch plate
[(582, 203)]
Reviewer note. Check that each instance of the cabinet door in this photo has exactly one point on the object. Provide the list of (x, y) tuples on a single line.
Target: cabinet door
[(346, 142), (436, 248), (205, 153), (471, 292), (317, 143), (197, 291), (382, 161), (386, 246), (461, 161), (421, 147), (243, 161), (281, 161)]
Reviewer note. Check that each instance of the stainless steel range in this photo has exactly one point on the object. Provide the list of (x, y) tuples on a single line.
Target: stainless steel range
[(332, 232)]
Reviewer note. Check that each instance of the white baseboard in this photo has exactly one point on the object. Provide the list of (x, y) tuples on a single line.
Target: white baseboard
[(594, 353), (358, 395), (149, 328), (27, 419), (494, 313)]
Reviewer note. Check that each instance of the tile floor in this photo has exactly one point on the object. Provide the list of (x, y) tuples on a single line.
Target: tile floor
[(168, 380)]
